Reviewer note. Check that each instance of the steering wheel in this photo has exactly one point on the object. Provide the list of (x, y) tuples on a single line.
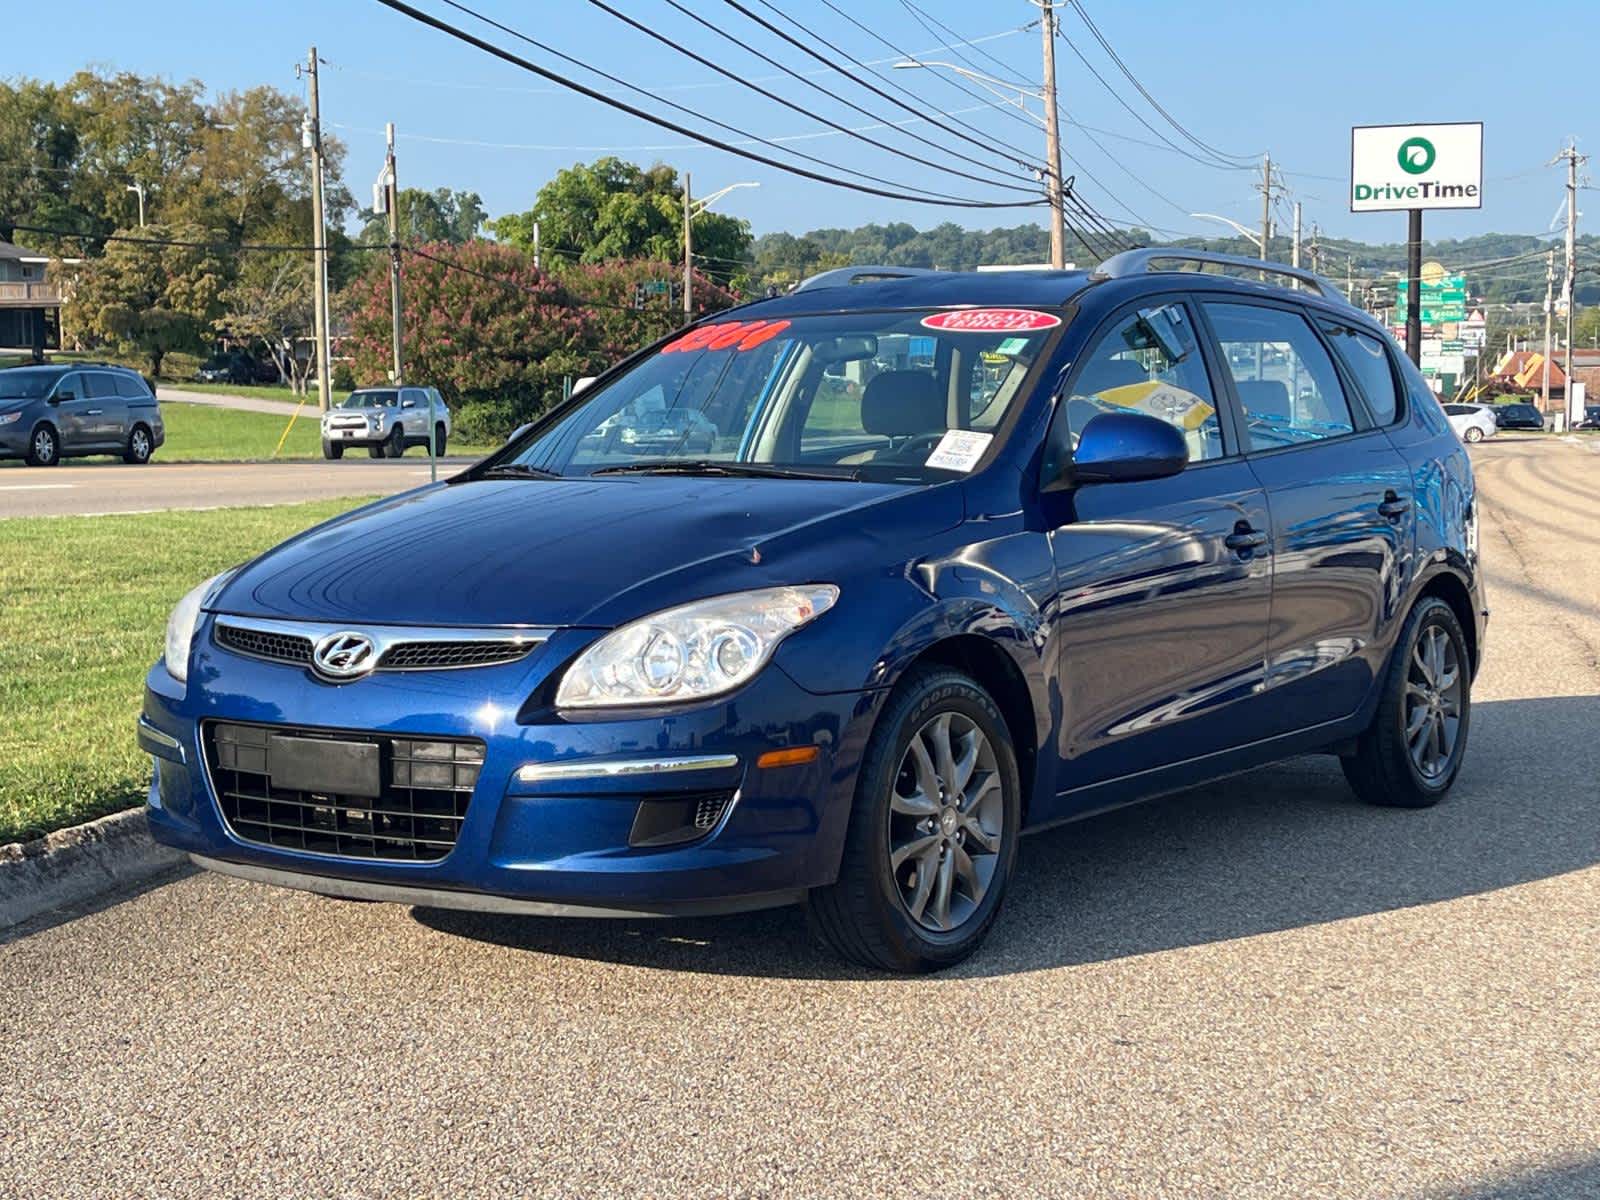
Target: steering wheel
[(914, 449)]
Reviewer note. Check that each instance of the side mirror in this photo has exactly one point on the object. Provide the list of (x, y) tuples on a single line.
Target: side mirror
[(408, 404), (519, 431), (67, 394), (582, 382), (1124, 447)]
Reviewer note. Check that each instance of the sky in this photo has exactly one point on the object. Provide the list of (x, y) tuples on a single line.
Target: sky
[(1290, 79)]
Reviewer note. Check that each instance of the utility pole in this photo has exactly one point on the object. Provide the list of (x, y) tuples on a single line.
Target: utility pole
[(1414, 286), (1295, 257), (1052, 136), (1549, 289), (688, 253), (319, 239), (1573, 159), (392, 190), (1266, 204)]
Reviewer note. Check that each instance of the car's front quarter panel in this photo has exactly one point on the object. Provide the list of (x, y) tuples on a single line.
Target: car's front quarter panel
[(553, 840)]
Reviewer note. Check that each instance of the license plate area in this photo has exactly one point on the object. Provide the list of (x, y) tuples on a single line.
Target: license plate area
[(324, 765)]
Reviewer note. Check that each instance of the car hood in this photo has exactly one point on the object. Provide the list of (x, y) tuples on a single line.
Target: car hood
[(577, 552)]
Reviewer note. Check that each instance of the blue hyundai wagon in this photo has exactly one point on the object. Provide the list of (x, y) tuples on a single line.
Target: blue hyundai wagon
[(936, 560)]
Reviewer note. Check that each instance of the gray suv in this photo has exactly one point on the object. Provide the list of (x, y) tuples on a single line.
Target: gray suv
[(386, 420), (53, 412)]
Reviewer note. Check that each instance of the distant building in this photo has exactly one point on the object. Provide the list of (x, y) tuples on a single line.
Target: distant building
[(1523, 371), (30, 305)]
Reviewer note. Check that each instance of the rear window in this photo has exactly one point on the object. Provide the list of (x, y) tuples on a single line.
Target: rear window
[(1368, 360)]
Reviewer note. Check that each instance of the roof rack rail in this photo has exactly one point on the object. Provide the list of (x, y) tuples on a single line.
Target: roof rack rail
[(1138, 262), (845, 276)]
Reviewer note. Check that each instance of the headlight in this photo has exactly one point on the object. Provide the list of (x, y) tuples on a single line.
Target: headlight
[(689, 653), (7, 418), (181, 624)]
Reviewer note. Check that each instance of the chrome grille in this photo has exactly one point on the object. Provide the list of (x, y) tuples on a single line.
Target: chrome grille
[(421, 656), (262, 643), (399, 648), (426, 785)]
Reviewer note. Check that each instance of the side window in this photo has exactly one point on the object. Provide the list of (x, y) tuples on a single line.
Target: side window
[(99, 384), (1368, 361), (132, 387), (1150, 362), (71, 382), (1287, 384)]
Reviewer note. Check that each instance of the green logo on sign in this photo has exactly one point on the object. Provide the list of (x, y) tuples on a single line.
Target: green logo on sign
[(1416, 155)]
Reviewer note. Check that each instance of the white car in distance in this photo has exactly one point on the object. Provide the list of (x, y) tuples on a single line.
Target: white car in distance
[(1472, 422)]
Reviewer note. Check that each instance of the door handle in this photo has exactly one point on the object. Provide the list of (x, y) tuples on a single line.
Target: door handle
[(1244, 539), (1393, 506), (92, 412)]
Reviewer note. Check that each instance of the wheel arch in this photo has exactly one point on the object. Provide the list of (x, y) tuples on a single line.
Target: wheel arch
[(1448, 586), (998, 674)]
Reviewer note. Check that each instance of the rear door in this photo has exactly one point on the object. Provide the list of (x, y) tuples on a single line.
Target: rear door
[(1164, 585), (1342, 510), (108, 415)]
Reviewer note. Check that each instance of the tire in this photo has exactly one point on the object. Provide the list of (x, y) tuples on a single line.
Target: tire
[(378, 450), (440, 437), (1473, 434), (44, 447), (395, 447), (332, 451), (871, 914), (141, 445), (1387, 768)]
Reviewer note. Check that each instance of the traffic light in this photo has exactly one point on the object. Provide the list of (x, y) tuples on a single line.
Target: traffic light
[(677, 294), (638, 295)]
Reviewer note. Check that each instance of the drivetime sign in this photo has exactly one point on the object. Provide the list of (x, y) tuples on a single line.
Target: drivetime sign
[(1416, 166)]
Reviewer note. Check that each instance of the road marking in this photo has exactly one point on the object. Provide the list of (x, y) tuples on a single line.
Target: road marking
[(35, 487)]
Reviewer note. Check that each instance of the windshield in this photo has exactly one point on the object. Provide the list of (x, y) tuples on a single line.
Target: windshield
[(23, 384), (375, 399), (870, 395)]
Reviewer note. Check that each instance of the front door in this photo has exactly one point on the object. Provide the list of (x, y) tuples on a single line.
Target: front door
[(1163, 585), (69, 409), (1342, 519)]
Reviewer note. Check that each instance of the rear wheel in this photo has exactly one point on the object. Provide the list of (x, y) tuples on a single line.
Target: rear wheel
[(1409, 756), (933, 830), (1473, 434), (140, 446), (44, 447)]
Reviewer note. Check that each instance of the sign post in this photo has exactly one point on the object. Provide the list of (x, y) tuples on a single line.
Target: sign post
[(1416, 167)]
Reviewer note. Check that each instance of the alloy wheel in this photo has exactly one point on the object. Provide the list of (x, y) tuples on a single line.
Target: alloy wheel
[(1435, 685), (946, 821), (140, 445), (44, 446)]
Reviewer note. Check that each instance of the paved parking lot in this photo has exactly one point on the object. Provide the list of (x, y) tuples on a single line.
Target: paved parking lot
[(1257, 989), (96, 487)]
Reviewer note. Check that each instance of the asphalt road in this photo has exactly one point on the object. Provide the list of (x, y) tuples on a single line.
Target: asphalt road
[(1257, 989), (94, 488)]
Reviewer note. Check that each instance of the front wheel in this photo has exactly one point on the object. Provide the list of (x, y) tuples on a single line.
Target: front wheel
[(397, 442), (440, 436), (933, 830), (44, 448), (332, 450), (1411, 753)]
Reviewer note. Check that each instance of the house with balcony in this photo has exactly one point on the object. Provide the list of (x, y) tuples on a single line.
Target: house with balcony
[(30, 304)]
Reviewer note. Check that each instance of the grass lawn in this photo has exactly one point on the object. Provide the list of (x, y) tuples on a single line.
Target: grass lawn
[(86, 604)]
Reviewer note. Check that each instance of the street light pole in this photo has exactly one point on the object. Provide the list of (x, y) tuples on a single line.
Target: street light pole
[(138, 189), (688, 253), (1052, 139)]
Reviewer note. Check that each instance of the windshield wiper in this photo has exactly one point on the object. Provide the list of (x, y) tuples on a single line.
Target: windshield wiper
[(518, 471), (706, 466)]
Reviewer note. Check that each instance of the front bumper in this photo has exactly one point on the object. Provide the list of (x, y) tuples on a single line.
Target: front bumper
[(14, 438), (553, 841)]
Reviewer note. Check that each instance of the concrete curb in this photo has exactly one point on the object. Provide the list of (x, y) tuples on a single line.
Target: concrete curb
[(78, 864)]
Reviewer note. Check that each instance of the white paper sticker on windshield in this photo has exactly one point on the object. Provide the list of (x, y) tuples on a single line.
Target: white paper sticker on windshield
[(1012, 347), (959, 450)]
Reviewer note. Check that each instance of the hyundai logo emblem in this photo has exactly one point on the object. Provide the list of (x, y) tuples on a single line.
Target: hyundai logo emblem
[(344, 655)]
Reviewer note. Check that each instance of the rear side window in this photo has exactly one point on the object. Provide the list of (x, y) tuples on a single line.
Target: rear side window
[(99, 384), (1368, 361), (132, 387), (1288, 388)]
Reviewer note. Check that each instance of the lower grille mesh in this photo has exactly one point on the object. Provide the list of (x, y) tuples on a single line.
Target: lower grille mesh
[(426, 785)]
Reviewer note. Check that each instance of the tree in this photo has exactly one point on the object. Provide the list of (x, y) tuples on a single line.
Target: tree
[(437, 216), (271, 303), (496, 336), (142, 297), (611, 209)]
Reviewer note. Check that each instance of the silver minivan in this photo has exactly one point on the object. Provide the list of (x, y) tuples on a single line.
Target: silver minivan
[(48, 413)]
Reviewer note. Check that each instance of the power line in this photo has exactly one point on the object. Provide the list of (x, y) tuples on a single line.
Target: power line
[(633, 110), (275, 248), (1143, 91), (792, 106), (923, 18)]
